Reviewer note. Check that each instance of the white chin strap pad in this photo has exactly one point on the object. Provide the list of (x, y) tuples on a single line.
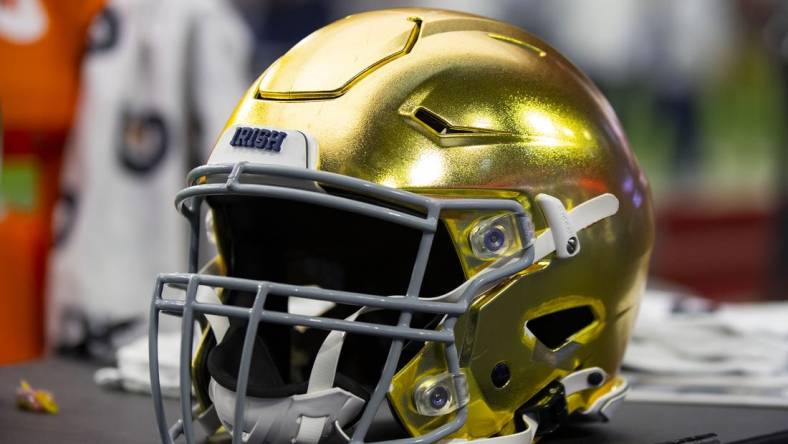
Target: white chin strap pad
[(294, 419)]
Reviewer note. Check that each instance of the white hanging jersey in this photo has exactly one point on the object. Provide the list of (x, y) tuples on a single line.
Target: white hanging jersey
[(159, 81)]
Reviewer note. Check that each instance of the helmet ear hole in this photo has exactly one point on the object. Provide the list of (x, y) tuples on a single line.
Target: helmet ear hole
[(500, 375), (554, 329)]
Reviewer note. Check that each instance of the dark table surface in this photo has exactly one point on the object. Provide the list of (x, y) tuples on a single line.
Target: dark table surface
[(91, 415)]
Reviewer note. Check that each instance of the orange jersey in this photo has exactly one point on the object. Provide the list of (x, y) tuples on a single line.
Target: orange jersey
[(41, 45)]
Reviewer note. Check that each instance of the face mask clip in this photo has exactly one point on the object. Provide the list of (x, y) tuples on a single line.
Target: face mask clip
[(561, 236), (564, 233)]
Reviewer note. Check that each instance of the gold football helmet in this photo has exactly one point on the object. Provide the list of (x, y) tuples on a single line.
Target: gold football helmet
[(430, 226)]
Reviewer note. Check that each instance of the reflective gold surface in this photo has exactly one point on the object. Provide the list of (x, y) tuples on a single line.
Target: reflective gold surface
[(381, 38), (514, 119)]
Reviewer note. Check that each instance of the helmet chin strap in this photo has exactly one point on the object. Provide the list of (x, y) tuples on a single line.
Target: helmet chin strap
[(307, 418)]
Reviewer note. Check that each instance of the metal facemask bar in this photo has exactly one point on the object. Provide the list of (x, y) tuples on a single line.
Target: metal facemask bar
[(245, 179)]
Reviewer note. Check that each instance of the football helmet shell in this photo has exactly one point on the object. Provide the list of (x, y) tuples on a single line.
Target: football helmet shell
[(431, 118)]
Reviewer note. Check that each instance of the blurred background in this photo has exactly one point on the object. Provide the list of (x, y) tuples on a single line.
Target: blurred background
[(107, 103)]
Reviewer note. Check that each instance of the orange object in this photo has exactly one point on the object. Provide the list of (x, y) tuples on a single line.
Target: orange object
[(41, 55), (41, 45)]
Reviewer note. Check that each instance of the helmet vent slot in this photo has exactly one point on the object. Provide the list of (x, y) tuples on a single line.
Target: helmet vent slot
[(438, 124), (554, 329)]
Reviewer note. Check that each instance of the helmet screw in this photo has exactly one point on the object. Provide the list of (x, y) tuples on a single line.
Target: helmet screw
[(494, 239), (438, 396), (500, 375), (595, 378), (571, 245)]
